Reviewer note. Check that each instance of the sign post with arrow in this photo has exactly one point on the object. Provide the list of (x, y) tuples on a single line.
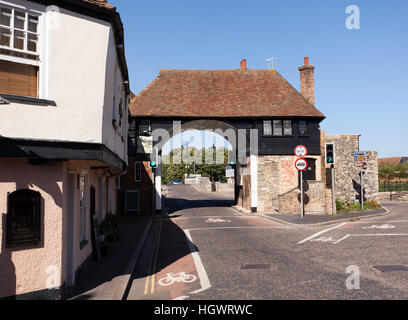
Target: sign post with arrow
[(301, 165)]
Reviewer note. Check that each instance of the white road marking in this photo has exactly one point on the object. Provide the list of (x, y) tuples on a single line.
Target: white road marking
[(202, 274), (324, 239), (223, 228), (373, 235), (217, 221), (321, 232), (384, 226), (204, 217), (344, 238)]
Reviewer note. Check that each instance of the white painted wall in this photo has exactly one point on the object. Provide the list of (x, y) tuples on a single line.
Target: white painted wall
[(78, 61)]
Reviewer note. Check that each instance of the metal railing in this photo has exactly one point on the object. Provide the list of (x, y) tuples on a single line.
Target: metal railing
[(393, 186)]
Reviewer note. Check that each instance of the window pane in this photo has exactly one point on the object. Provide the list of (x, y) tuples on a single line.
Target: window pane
[(19, 20), (5, 36), (302, 128), (5, 17), (32, 42), (144, 127), (287, 127), (19, 40), (267, 128), (277, 127), (32, 24)]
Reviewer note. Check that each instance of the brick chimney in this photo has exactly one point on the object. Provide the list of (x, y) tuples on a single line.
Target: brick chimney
[(307, 81), (243, 64)]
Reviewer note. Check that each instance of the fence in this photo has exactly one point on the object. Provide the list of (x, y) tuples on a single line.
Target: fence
[(394, 186)]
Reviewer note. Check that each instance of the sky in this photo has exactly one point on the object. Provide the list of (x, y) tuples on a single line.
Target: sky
[(360, 76)]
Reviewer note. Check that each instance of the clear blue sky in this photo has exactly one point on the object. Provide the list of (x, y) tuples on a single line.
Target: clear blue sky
[(361, 75)]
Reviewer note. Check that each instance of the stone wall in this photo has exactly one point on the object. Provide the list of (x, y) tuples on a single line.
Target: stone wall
[(278, 186), (347, 178)]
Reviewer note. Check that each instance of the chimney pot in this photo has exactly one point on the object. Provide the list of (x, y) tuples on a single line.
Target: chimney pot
[(306, 61), (307, 81), (243, 64)]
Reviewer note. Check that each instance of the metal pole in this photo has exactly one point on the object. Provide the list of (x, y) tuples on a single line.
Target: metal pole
[(154, 192), (362, 191), (302, 212), (333, 193)]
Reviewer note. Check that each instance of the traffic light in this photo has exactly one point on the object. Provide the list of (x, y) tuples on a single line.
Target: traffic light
[(330, 153), (153, 164)]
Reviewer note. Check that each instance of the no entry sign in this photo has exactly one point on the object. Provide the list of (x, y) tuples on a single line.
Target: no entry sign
[(301, 164), (301, 151)]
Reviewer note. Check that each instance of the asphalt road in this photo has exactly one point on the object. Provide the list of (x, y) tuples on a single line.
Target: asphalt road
[(206, 250)]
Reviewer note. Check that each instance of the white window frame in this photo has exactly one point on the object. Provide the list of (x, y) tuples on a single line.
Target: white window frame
[(42, 44), (140, 171)]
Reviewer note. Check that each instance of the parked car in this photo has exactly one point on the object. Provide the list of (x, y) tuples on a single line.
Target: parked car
[(176, 181)]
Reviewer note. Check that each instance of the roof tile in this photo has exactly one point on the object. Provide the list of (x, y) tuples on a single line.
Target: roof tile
[(221, 93)]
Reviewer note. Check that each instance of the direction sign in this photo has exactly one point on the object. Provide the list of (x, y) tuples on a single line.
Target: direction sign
[(301, 164), (301, 151), (360, 154)]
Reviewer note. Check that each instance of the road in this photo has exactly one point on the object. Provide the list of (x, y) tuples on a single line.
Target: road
[(207, 250)]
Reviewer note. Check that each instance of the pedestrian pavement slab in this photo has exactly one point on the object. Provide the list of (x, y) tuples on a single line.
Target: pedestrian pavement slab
[(324, 219), (106, 279)]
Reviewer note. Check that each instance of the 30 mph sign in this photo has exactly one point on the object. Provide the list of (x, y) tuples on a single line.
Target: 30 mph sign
[(301, 151), (301, 164)]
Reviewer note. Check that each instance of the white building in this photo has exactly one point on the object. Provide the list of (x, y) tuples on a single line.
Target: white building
[(64, 95)]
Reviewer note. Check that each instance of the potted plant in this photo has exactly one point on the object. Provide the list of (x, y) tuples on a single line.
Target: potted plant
[(108, 230)]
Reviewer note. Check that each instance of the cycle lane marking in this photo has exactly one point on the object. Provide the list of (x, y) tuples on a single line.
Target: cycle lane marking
[(321, 232), (202, 274)]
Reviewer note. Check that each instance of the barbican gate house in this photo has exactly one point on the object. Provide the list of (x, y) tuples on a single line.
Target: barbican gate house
[(245, 99)]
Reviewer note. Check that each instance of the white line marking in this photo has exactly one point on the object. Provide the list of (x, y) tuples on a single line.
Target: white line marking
[(202, 274), (344, 238), (205, 217), (321, 232), (223, 228), (182, 298)]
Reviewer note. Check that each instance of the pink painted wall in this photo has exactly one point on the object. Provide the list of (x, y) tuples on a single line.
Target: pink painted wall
[(24, 270)]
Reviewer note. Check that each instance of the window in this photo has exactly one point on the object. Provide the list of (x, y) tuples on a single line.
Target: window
[(287, 127), (277, 128), (19, 33), (23, 218), (145, 128), (303, 128), (267, 127), (83, 209), (18, 79), (132, 201), (138, 171), (19, 51)]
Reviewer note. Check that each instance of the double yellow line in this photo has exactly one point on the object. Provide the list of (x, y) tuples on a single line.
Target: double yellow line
[(153, 262)]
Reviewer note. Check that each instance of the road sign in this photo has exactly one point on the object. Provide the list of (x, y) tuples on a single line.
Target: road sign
[(360, 154), (301, 151), (230, 172), (301, 164), (362, 165)]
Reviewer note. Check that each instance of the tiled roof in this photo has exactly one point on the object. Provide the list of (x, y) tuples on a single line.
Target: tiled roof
[(394, 160), (101, 3), (221, 93)]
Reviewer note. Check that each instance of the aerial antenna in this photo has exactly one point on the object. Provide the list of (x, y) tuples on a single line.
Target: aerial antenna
[(272, 63)]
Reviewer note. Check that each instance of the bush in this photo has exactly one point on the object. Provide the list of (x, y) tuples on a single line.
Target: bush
[(372, 205)]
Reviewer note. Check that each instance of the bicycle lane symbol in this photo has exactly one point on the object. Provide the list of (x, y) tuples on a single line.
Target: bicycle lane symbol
[(180, 277)]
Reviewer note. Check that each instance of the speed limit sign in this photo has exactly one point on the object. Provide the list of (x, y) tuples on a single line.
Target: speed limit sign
[(301, 164)]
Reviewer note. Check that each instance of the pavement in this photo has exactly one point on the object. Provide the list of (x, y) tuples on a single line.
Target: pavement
[(108, 278)]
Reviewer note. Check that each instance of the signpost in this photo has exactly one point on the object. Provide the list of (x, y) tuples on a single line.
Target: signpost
[(361, 158), (301, 165)]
